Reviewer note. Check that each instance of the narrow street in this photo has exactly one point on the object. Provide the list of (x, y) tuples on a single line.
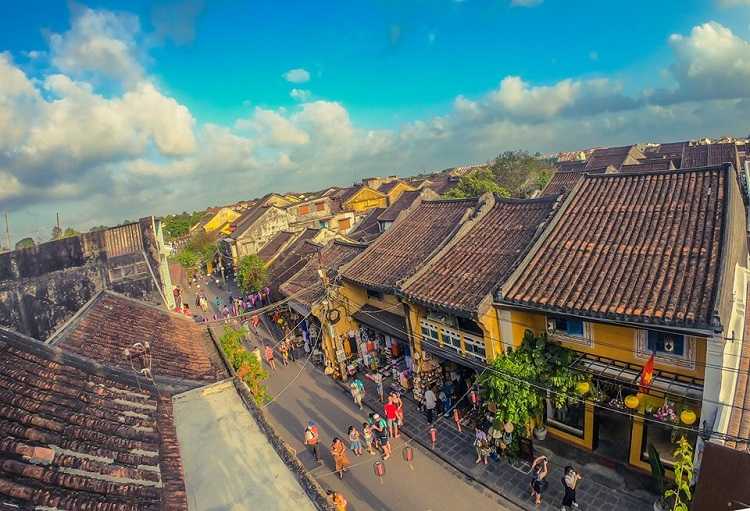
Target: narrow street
[(301, 392)]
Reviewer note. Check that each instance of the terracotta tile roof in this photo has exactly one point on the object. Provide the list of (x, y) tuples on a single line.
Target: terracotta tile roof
[(248, 218), (442, 185), (649, 165), (478, 261), (671, 150), (739, 420), (368, 228), (399, 251), (276, 244), (637, 247), (305, 285), (292, 258), (402, 203), (615, 156), (74, 435), (709, 154), (112, 323), (562, 182), (570, 166), (387, 187)]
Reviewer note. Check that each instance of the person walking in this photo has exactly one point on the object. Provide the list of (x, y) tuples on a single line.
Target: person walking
[(368, 437), (399, 410), (380, 427), (391, 415), (357, 389), (291, 347), (379, 382), (337, 500), (284, 349), (355, 441), (430, 401), (269, 357), (312, 437), (446, 395), (570, 481), (338, 453), (481, 445), (539, 469)]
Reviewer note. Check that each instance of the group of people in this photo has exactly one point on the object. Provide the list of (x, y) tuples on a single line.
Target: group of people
[(540, 470), (287, 348)]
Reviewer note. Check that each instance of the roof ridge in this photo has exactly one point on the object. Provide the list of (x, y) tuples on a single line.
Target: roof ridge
[(705, 168)]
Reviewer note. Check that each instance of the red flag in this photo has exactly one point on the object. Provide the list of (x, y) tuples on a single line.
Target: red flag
[(647, 375)]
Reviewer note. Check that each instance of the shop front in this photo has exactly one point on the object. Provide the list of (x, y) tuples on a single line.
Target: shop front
[(617, 421), (379, 346)]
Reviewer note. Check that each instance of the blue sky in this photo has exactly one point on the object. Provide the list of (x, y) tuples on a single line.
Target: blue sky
[(391, 86)]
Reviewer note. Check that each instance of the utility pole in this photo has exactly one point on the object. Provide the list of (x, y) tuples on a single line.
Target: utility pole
[(58, 220), (7, 231)]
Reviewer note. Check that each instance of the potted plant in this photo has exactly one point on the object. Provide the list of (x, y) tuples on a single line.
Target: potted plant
[(540, 429), (659, 477)]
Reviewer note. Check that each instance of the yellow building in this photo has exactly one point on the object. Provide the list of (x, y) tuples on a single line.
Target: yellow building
[(221, 221), (618, 277), (394, 189), (361, 198)]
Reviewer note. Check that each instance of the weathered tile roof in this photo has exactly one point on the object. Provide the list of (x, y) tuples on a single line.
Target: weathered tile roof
[(368, 228), (442, 184), (399, 251), (479, 259), (671, 150), (562, 182), (112, 323), (292, 258), (739, 420), (305, 285), (390, 185), (709, 154), (402, 203), (75, 435), (276, 244), (636, 247), (649, 165), (570, 166), (615, 156), (248, 218)]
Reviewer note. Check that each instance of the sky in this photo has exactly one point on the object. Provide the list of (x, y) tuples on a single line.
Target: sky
[(113, 110)]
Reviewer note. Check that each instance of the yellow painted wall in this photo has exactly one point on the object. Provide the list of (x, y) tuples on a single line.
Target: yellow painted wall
[(522, 321), (587, 442), (397, 190), (223, 216), (366, 198)]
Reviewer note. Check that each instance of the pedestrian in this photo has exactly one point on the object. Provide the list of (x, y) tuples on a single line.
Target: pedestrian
[(197, 301), (539, 469), (430, 401), (269, 357), (368, 437), (496, 435), (291, 348), (217, 301), (284, 349), (481, 444), (337, 500), (380, 427), (357, 389), (399, 410), (225, 312), (446, 393), (569, 482), (340, 459), (379, 382), (507, 439), (391, 415), (355, 441), (312, 437)]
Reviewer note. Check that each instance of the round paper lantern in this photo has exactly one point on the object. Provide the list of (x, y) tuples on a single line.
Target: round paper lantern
[(688, 417), (408, 454), (583, 387), (379, 469), (632, 401)]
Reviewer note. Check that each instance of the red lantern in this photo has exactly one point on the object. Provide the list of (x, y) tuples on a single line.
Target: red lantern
[(379, 469), (457, 419), (474, 397), (408, 454), (433, 436)]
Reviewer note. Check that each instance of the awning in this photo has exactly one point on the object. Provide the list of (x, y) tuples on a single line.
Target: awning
[(299, 308), (669, 384), (379, 319), (453, 356)]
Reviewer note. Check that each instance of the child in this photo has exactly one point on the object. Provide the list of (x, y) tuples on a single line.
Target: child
[(355, 443), (368, 437)]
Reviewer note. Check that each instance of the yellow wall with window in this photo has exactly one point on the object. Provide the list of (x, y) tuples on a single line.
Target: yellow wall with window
[(222, 217), (366, 198)]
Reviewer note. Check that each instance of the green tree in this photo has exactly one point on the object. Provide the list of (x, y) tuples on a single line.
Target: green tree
[(25, 243), (475, 184), (520, 172), (57, 233), (248, 367), (69, 232), (98, 228), (188, 258), (177, 226), (252, 273)]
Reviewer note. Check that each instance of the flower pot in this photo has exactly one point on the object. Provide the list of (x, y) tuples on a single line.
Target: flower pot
[(540, 433)]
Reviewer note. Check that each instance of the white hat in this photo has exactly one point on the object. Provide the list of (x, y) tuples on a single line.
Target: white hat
[(376, 416)]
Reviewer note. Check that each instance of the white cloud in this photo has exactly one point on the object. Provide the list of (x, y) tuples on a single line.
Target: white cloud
[(273, 128), (100, 44), (300, 94), (297, 75), (525, 3)]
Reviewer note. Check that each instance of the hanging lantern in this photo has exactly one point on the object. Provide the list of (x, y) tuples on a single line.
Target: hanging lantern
[(433, 436), (474, 398), (632, 401), (457, 419), (688, 417), (408, 454), (583, 388), (379, 469)]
